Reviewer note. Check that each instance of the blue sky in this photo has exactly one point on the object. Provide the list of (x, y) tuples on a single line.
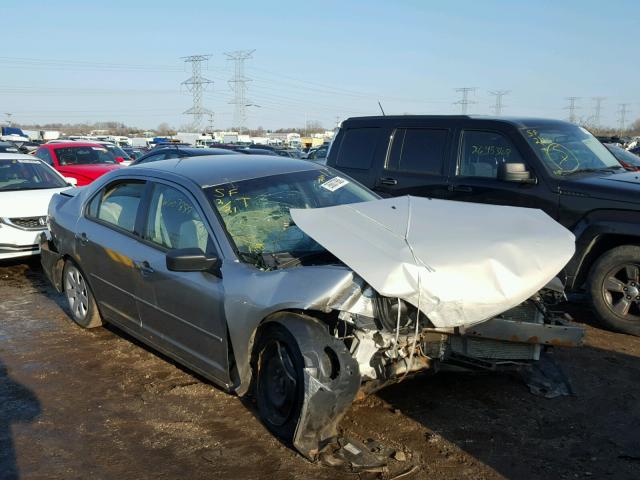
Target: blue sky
[(75, 61)]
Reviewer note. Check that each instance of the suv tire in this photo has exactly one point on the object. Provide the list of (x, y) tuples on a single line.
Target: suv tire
[(614, 285)]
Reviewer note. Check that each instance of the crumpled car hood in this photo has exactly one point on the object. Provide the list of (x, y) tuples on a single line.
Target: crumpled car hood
[(460, 263)]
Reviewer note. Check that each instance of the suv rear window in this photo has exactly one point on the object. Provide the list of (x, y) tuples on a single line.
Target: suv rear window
[(357, 148), (418, 150)]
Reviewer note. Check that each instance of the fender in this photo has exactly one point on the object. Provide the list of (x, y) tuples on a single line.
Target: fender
[(329, 386), (620, 226)]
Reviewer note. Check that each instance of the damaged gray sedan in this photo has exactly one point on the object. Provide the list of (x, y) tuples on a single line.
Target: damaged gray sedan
[(286, 279)]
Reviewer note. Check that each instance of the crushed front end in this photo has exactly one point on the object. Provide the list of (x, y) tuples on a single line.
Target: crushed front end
[(395, 342)]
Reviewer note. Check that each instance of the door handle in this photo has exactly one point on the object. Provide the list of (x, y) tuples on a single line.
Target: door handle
[(144, 267), (82, 238), (460, 188), (388, 181)]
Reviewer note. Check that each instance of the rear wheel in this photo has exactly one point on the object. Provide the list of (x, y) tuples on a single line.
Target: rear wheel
[(280, 382), (615, 289), (79, 297)]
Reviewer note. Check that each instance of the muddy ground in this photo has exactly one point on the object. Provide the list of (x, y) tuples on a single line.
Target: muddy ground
[(97, 404)]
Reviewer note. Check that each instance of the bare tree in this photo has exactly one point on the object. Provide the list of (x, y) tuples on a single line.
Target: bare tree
[(164, 129)]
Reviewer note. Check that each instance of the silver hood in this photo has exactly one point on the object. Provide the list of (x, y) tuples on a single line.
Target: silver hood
[(459, 263)]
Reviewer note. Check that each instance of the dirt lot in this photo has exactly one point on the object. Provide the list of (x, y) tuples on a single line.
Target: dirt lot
[(96, 404)]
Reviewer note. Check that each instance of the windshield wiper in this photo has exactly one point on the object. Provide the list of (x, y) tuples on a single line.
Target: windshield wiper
[(610, 169), (263, 261), (296, 259)]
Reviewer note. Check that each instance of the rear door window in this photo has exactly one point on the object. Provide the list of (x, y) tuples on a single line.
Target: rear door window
[(357, 148), (418, 150), (117, 204)]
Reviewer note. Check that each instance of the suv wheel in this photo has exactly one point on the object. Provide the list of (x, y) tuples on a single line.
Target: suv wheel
[(615, 289), (84, 310)]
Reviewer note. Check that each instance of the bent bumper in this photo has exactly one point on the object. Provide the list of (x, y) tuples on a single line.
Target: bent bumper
[(51, 260), (562, 334)]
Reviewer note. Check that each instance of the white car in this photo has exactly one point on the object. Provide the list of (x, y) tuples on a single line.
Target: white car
[(26, 187)]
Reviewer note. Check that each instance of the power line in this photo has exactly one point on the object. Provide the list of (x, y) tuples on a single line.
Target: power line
[(196, 84), (497, 108), (572, 107), (623, 111), (239, 86), (464, 102), (597, 110)]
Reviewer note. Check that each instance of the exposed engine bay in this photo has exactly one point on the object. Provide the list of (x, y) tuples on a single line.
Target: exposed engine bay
[(396, 341)]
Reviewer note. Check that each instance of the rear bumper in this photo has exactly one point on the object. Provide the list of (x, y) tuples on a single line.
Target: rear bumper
[(51, 260)]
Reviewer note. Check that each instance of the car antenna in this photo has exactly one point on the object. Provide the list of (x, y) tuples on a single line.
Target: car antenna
[(381, 109)]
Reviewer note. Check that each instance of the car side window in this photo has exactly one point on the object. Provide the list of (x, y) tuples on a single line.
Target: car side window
[(357, 148), (44, 155), (418, 150), (117, 204), (482, 154), (174, 222)]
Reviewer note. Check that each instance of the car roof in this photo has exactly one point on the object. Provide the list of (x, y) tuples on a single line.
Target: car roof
[(72, 144), (13, 156), (520, 122), (212, 170), (206, 151)]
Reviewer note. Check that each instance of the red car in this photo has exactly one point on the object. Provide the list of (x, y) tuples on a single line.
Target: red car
[(83, 161)]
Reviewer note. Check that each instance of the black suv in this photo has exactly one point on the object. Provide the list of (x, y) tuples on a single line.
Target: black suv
[(547, 164)]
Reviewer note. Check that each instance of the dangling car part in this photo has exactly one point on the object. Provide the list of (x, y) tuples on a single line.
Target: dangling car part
[(223, 270)]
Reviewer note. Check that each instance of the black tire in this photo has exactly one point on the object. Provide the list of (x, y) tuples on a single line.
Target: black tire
[(279, 380), (82, 304), (614, 285)]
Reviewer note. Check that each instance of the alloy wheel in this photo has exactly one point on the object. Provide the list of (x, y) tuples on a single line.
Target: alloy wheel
[(621, 291), (75, 289)]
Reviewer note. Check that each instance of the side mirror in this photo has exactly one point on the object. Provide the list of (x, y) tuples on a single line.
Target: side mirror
[(515, 172), (71, 181), (191, 260)]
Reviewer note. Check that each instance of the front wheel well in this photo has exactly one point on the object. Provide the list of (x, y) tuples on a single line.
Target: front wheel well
[(600, 246)]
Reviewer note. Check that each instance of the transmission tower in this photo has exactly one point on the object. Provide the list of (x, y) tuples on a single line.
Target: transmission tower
[(9, 115), (597, 110), (239, 86), (196, 85), (497, 108), (572, 107), (464, 102), (623, 111), (210, 122)]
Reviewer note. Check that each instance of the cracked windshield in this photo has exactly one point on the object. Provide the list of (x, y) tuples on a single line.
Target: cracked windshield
[(256, 214), (566, 150)]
